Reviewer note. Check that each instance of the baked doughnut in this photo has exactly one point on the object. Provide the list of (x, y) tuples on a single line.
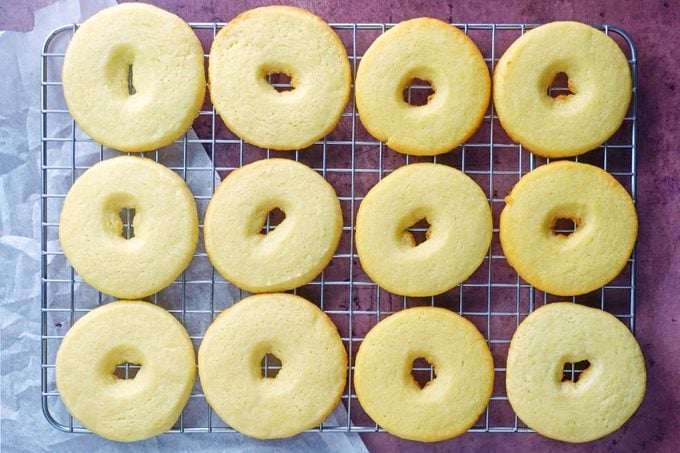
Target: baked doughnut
[(588, 258), (133, 77), (599, 79), (313, 370), (606, 394), (431, 50), (293, 253), (279, 40), (457, 240), (445, 407), (136, 332), (165, 226)]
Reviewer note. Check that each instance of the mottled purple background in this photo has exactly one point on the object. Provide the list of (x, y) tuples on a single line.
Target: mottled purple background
[(654, 27)]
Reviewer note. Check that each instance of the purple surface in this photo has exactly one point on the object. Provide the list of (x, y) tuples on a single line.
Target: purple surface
[(653, 25)]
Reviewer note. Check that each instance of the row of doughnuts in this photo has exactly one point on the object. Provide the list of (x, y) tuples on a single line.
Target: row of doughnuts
[(133, 79), (302, 395), (313, 372), (165, 225), (607, 393), (300, 247)]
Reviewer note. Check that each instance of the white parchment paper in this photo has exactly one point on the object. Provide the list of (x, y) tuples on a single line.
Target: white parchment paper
[(22, 425)]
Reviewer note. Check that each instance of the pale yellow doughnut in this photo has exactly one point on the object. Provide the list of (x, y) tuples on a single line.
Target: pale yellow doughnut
[(293, 253), (136, 332), (606, 394), (599, 77), (584, 260), (432, 50), (279, 39), (165, 226), (449, 404), (459, 236), (166, 59), (313, 370)]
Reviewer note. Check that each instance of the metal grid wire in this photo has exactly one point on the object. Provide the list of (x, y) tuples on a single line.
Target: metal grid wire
[(494, 298)]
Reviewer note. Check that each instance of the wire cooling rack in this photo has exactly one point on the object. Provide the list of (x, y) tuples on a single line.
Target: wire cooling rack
[(494, 298)]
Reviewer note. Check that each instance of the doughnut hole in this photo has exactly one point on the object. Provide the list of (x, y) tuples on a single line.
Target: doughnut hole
[(120, 213), (418, 92), (122, 364), (282, 79), (274, 218), (119, 69), (565, 226), (271, 365), (127, 370), (131, 85), (423, 372), (568, 219), (418, 233), (574, 371), (127, 216), (561, 87)]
